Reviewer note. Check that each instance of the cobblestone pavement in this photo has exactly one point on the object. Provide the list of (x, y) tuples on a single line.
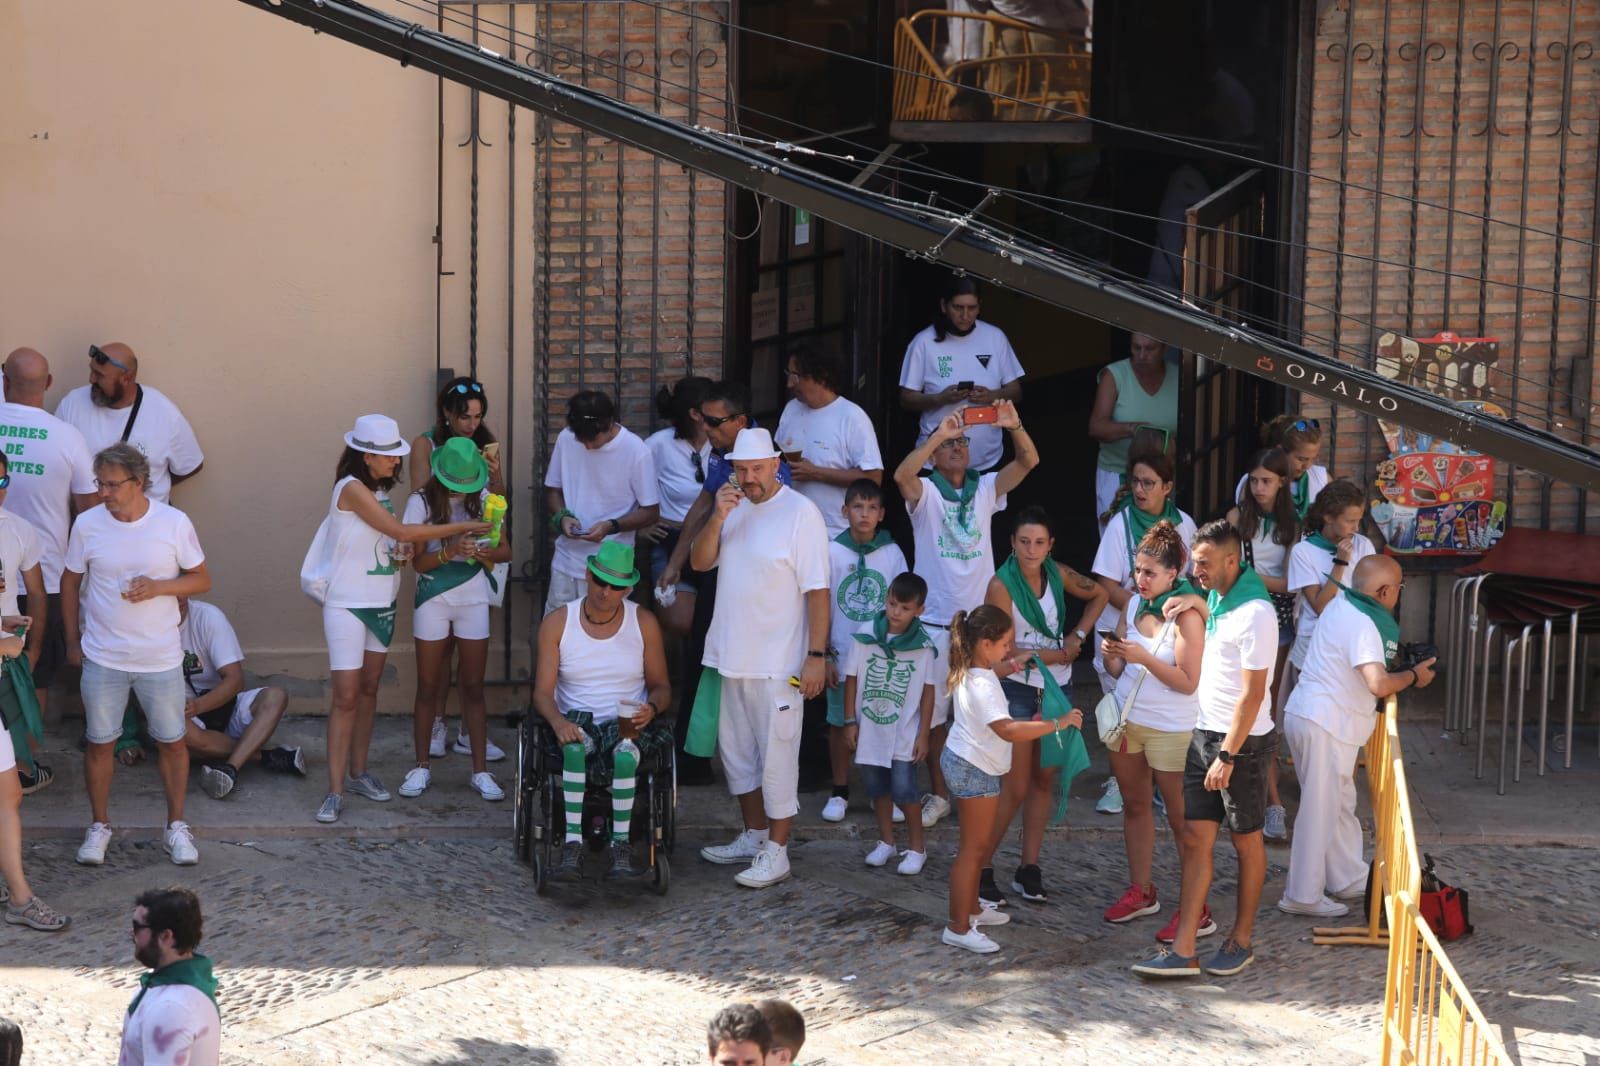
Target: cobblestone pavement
[(409, 951)]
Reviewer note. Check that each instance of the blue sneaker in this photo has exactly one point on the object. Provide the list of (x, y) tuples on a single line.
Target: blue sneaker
[(1168, 964), (1230, 959)]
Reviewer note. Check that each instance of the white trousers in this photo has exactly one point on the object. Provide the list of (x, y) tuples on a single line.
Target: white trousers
[(758, 737), (1326, 854), (1106, 484)]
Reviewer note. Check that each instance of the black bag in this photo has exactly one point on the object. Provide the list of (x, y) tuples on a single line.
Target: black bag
[(10, 1043), (1282, 602)]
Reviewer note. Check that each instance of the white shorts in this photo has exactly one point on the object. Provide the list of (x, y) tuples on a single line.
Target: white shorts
[(241, 717), (1106, 484), (436, 620), (563, 590), (348, 639), (760, 743), (939, 673), (8, 754)]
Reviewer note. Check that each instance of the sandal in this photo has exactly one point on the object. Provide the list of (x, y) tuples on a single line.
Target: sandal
[(37, 916)]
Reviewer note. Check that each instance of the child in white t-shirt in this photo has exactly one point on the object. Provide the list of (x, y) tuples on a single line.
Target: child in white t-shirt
[(976, 755), (888, 711), (1329, 554)]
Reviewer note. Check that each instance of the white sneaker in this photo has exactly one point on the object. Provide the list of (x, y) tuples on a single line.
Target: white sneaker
[(911, 864), (1277, 827), (834, 810), (95, 842), (436, 740), (418, 778), (933, 808), (880, 855), (770, 866), (179, 843), (491, 750), (899, 815), (972, 940), (1111, 799), (988, 915), (743, 848), (487, 787), (1323, 908), (1354, 890)]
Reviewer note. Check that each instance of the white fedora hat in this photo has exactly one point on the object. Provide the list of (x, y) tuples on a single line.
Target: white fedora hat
[(752, 444), (378, 434)]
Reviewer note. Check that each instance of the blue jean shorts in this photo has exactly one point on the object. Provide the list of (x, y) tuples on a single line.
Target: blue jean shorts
[(966, 781), (898, 781), (1021, 700), (105, 698)]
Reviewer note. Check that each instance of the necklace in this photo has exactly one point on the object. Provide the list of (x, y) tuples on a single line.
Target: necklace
[(597, 622)]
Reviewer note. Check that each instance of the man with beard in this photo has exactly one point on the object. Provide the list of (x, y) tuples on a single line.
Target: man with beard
[(173, 1018), (959, 361), (115, 407)]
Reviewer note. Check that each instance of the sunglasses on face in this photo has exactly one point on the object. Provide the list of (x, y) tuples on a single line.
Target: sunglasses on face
[(101, 358), (699, 468), (1304, 424), (138, 925), (712, 422), (467, 388)]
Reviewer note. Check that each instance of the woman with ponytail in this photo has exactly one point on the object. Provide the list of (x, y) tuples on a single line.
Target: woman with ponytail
[(976, 756)]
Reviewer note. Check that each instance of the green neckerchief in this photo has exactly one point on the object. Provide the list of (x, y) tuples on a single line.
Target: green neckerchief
[(1301, 491), (1136, 523), (1064, 749), (20, 709), (1026, 600), (962, 496), (1248, 587), (450, 575), (913, 638), (880, 539), (1388, 628), (194, 971), (1324, 543), (378, 620), (1181, 587)]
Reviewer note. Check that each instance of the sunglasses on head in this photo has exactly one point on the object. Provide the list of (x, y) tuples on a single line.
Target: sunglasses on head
[(101, 358), (1304, 424), (467, 387)]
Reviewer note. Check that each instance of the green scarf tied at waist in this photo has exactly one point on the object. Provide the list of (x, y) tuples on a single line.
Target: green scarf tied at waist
[(1248, 587), (1063, 749), (378, 620), (915, 637), (1136, 523), (1388, 628), (194, 971), (19, 708), (1181, 587), (450, 575)]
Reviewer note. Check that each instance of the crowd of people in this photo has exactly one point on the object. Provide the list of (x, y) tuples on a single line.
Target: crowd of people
[(760, 563)]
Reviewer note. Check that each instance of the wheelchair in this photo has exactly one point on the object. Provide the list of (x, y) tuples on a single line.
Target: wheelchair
[(539, 812)]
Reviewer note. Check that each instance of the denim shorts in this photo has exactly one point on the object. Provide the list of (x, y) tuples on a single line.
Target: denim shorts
[(661, 552), (105, 698), (1022, 700), (966, 781), (898, 781)]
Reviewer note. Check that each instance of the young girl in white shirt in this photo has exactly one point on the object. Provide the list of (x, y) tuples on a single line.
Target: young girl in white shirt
[(977, 754)]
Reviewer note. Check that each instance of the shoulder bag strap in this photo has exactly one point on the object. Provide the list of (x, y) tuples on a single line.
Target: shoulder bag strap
[(133, 415), (1161, 638)]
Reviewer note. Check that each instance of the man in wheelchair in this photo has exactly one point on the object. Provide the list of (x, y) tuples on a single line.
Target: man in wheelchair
[(601, 679)]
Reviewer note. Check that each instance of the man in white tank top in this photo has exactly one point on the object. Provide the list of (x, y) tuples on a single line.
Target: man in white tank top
[(600, 657)]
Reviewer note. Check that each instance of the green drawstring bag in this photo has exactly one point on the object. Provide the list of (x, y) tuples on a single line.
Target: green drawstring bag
[(20, 709), (1064, 750), (701, 739)]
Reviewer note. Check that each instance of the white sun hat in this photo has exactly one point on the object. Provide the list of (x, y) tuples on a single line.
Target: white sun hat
[(752, 444), (378, 434)]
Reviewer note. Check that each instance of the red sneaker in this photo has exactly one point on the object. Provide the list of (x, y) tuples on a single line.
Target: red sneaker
[(1169, 932), (1135, 903)]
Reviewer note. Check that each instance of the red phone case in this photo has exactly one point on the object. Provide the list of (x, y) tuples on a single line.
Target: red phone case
[(979, 416)]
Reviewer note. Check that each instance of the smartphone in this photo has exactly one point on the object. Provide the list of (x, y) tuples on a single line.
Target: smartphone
[(1106, 634), (979, 416), (966, 386)]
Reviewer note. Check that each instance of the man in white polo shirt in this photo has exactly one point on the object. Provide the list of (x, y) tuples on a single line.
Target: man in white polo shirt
[(1225, 777), (770, 624), (1328, 718)]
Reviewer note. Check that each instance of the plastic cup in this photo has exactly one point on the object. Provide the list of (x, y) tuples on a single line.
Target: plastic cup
[(126, 584), (627, 713)]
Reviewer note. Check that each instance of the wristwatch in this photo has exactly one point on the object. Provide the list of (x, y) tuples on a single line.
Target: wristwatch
[(1225, 757), (1081, 635), (817, 654)]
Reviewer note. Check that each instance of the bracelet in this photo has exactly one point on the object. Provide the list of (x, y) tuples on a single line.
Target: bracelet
[(1414, 677), (1340, 562), (555, 519), (616, 527), (442, 559), (852, 721), (817, 654)]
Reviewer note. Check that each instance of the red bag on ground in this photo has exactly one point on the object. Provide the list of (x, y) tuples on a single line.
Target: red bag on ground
[(1443, 907)]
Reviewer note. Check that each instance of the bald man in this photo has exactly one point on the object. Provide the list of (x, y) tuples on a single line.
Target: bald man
[(52, 478), (114, 407), (1327, 720)]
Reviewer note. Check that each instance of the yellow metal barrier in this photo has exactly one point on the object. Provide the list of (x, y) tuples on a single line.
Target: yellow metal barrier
[(1428, 1014)]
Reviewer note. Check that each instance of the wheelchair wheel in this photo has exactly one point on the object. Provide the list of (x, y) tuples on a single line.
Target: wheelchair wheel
[(544, 834), (662, 879), (669, 828), (520, 820)]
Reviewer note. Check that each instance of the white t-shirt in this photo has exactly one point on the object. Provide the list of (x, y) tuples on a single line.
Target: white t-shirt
[(135, 637), (597, 484), (50, 463), (675, 480), (976, 702), (859, 595), (983, 357), (208, 636), (1027, 638), (1114, 559), (1245, 638), (1331, 691), (473, 592), (364, 572), (1155, 706), (1317, 480), (888, 701), (20, 549), (840, 437), (1309, 567), (1269, 558), (771, 554), (174, 1025), (956, 559), (160, 431)]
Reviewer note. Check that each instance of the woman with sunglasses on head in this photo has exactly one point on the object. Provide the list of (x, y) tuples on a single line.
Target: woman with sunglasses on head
[(363, 558), (1300, 439), (460, 410), (682, 452)]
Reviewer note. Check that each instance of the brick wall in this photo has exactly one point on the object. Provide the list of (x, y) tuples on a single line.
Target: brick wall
[(1490, 110)]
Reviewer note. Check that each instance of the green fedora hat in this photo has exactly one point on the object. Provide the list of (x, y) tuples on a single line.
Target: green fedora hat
[(613, 564), (459, 466)]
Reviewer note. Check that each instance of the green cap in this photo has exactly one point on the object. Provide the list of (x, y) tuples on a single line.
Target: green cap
[(613, 564), (459, 466)]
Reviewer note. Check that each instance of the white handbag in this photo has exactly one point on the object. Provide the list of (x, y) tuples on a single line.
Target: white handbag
[(317, 569), (1111, 718)]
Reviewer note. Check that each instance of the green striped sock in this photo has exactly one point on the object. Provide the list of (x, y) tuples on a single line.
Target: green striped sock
[(573, 778), (625, 767)]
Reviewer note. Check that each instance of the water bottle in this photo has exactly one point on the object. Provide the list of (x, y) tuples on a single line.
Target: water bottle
[(629, 747), (588, 744)]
